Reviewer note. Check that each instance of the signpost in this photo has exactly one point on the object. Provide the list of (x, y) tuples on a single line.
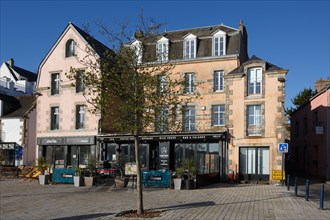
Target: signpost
[(283, 148)]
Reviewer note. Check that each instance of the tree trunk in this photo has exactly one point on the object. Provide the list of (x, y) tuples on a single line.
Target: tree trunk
[(139, 199)]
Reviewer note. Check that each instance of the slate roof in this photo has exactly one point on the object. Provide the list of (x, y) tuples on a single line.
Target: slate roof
[(20, 105), (30, 76), (255, 59), (204, 42)]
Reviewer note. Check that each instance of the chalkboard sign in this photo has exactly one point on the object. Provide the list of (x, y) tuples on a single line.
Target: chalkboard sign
[(164, 155)]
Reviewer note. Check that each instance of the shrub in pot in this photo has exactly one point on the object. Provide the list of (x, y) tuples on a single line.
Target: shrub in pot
[(190, 168), (91, 168), (43, 167), (77, 179), (178, 180)]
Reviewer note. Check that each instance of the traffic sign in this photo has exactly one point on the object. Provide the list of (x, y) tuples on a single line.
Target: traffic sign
[(283, 148)]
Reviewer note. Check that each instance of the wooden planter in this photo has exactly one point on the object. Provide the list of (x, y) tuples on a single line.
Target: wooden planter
[(121, 181)]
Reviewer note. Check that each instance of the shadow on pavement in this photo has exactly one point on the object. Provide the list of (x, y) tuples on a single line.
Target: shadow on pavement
[(81, 217), (188, 205)]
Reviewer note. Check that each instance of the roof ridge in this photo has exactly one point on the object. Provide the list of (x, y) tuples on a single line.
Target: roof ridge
[(194, 28)]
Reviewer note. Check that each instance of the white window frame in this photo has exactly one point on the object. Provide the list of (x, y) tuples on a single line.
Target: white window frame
[(254, 120), (55, 118), (162, 49), (218, 115), (80, 116), (190, 79), (70, 48), (189, 47), (137, 47), (55, 84), (190, 118), (254, 81), (162, 119), (219, 42), (218, 81)]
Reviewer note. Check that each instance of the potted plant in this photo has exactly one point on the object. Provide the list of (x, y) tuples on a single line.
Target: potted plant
[(121, 180), (190, 169), (178, 180), (77, 179), (90, 168), (43, 167)]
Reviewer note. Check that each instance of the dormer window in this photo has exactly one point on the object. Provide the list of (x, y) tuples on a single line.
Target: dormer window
[(137, 47), (219, 43), (254, 81), (70, 48), (162, 49), (189, 46)]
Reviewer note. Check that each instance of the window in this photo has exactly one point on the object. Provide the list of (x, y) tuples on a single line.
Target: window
[(254, 81), (137, 47), (55, 84), (254, 120), (189, 118), (162, 49), (80, 116), (219, 43), (80, 86), (162, 119), (69, 48), (189, 47), (162, 84), (218, 81), (55, 118), (190, 82), (218, 115)]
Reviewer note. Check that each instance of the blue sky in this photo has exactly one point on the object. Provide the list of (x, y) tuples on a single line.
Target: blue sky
[(290, 34)]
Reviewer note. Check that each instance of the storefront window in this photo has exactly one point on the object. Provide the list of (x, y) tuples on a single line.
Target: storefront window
[(202, 159), (214, 157), (189, 151), (178, 155), (111, 152), (84, 155)]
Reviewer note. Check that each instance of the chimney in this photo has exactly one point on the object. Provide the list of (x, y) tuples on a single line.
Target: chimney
[(321, 84), (11, 62)]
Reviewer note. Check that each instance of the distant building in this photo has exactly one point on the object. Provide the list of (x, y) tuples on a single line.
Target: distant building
[(18, 130), (310, 136)]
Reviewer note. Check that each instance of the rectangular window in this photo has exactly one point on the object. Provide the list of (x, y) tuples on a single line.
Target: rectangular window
[(162, 84), (254, 120), (162, 52), (219, 46), (190, 49), (190, 82), (218, 115), (162, 119), (254, 81), (55, 118), (189, 119), (80, 86), (218, 81), (55, 84), (80, 116)]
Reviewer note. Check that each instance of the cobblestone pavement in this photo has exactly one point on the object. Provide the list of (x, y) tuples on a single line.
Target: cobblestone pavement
[(21, 199)]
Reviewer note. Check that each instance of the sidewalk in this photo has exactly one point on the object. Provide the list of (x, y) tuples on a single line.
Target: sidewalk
[(21, 199)]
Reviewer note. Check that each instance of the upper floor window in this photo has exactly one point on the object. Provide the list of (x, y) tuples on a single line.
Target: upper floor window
[(136, 46), (189, 82), (189, 118), (162, 119), (189, 47), (254, 81), (70, 48), (162, 84), (55, 118), (80, 86), (162, 49), (218, 115), (254, 120), (55, 83), (218, 81), (80, 116), (219, 43)]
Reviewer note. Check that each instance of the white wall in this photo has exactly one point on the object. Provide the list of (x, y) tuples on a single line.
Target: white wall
[(12, 130)]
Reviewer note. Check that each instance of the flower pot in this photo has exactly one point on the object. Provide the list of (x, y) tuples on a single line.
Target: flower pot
[(177, 183), (77, 180), (89, 181), (43, 179), (121, 181), (190, 184)]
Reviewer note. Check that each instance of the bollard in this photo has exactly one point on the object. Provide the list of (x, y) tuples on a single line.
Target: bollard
[(296, 186), (307, 190), (288, 182), (321, 196)]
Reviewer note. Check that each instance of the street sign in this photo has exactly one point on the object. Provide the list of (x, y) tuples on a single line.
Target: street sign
[(283, 148), (278, 174)]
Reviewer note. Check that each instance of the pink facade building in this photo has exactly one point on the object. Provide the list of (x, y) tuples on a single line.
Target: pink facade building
[(310, 136)]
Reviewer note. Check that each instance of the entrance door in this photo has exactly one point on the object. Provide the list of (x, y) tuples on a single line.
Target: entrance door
[(254, 163)]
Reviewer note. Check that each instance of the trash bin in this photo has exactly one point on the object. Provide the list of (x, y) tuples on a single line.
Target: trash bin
[(231, 176)]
